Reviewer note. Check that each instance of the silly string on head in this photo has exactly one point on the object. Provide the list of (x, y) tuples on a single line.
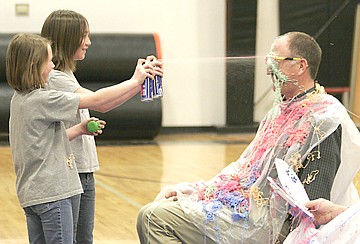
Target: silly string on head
[(278, 77)]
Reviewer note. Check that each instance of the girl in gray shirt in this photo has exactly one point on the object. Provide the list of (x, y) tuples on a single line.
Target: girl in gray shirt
[(46, 176), (70, 35)]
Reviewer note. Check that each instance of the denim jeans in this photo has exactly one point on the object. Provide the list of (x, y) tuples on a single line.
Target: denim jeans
[(85, 225), (51, 223)]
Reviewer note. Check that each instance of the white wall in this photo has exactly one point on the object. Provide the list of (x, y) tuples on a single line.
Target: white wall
[(267, 30), (193, 40), (192, 34)]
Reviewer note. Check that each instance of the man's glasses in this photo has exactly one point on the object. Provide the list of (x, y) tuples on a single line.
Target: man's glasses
[(286, 58), (283, 58)]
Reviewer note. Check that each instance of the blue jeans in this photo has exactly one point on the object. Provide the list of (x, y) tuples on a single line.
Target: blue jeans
[(85, 225), (51, 223)]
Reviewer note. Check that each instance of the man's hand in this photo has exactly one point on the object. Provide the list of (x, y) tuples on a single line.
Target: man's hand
[(323, 210)]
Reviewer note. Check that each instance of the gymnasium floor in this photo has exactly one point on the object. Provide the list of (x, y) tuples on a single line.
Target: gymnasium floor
[(131, 175)]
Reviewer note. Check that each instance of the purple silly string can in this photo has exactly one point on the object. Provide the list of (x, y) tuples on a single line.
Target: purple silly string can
[(147, 90), (158, 89)]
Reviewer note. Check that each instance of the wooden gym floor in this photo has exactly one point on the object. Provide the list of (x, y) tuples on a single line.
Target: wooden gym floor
[(131, 175)]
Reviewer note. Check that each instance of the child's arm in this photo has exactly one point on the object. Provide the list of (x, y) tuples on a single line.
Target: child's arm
[(111, 97), (81, 129)]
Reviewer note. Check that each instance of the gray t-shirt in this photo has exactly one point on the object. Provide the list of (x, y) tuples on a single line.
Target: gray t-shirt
[(43, 160), (84, 147)]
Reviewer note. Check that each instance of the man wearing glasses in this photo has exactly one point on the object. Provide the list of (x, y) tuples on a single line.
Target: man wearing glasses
[(308, 129)]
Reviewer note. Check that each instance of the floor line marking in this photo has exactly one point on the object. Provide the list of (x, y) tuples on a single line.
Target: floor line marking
[(118, 194)]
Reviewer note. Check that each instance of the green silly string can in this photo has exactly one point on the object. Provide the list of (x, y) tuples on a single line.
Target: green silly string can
[(93, 126)]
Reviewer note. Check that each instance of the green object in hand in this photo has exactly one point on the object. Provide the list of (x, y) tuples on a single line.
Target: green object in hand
[(93, 126)]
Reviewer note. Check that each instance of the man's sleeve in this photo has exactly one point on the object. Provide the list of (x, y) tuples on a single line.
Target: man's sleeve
[(321, 165)]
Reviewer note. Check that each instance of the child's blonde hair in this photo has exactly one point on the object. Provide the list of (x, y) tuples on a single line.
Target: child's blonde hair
[(26, 59)]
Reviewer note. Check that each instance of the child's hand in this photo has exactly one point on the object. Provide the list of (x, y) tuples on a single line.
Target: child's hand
[(81, 129), (156, 63), (147, 68), (93, 126)]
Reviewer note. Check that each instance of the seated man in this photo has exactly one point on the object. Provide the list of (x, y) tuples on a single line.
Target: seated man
[(306, 128)]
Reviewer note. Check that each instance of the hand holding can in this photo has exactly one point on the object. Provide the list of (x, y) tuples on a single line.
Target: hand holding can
[(152, 88)]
